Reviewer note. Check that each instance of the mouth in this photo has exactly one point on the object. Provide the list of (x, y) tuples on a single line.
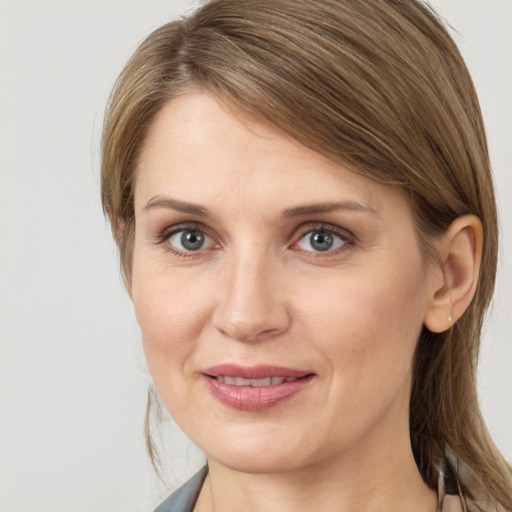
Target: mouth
[(255, 388), (255, 383)]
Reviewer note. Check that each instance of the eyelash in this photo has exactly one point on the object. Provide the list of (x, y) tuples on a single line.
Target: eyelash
[(348, 238), (169, 231)]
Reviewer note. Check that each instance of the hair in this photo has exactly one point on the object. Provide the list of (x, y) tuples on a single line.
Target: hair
[(378, 86)]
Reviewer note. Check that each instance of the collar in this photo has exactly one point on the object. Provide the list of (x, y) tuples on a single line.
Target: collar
[(460, 489)]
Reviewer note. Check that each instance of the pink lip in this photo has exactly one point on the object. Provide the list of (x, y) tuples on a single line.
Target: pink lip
[(249, 398)]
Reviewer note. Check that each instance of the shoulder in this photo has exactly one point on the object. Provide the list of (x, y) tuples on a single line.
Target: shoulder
[(184, 498), (461, 490)]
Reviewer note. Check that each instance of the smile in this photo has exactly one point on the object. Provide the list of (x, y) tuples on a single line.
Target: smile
[(255, 383), (255, 388)]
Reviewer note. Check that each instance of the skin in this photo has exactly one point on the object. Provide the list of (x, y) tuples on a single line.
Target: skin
[(258, 292)]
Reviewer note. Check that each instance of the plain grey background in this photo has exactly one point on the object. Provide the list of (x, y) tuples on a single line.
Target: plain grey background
[(72, 377)]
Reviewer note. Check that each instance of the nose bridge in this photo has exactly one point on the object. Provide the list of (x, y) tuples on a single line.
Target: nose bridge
[(250, 304)]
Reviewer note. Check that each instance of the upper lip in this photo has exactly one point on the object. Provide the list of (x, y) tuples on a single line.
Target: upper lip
[(254, 372)]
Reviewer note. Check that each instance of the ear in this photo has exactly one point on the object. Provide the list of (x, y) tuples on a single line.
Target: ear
[(455, 273)]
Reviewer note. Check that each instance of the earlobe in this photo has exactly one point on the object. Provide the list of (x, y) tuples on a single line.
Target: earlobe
[(456, 273)]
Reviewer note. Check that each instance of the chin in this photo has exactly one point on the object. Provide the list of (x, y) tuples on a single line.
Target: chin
[(259, 453)]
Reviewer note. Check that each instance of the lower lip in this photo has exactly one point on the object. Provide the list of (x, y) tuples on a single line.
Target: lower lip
[(248, 398)]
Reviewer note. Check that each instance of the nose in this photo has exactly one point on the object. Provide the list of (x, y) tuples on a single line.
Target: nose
[(251, 303)]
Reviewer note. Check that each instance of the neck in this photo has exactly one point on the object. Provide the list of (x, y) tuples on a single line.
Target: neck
[(356, 482)]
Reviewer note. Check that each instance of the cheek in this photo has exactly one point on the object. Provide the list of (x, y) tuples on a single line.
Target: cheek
[(367, 322), (170, 326), (170, 312)]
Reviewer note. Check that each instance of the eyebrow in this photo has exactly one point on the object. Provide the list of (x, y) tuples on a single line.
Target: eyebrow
[(333, 206), (289, 213), (176, 204)]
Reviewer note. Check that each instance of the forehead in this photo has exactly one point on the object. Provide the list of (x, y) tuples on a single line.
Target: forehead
[(198, 150)]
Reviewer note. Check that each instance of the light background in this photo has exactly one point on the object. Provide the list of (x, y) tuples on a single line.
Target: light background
[(72, 377)]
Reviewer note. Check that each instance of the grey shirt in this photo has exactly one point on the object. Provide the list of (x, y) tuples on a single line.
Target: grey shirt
[(184, 498)]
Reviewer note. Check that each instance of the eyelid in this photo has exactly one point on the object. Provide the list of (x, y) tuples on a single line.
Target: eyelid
[(347, 236), (167, 232), (163, 234)]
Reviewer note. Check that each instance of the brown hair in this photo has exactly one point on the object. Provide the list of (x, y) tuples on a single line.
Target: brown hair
[(379, 86)]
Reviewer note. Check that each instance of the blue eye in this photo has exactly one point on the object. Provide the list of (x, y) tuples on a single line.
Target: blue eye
[(190, 240), (320, 240)]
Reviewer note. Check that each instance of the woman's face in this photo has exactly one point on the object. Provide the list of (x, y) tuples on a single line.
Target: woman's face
[(280, 296)]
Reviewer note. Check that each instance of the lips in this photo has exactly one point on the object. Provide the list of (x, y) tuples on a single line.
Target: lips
[(255, 383), (255, 388)]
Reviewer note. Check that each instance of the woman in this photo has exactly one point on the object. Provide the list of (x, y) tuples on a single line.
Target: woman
[(301, 194)]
